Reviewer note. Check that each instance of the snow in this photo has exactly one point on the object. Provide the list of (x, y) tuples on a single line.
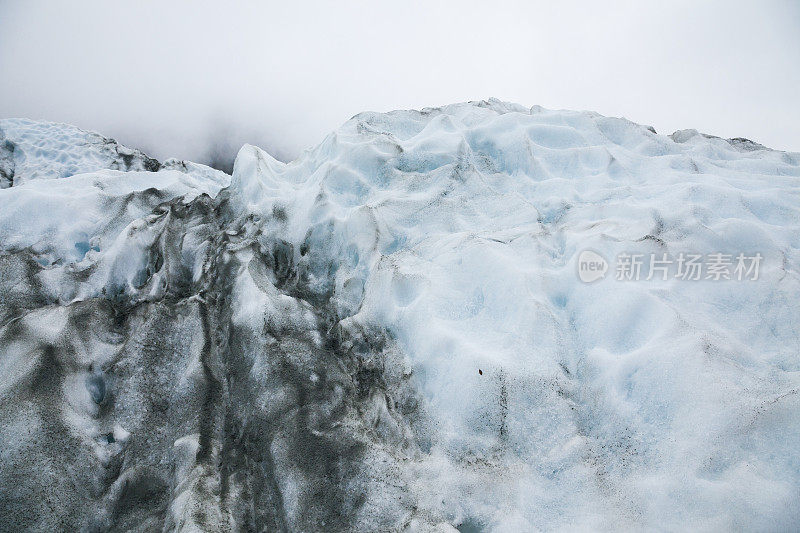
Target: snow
[(441, 247), (89, 223), (639, 404), (47, 150), (35, 150), (85, 222)]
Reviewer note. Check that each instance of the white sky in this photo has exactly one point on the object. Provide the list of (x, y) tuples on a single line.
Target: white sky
[(179, 79)]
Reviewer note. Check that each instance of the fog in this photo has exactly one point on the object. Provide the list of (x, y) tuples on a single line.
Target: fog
[(196, 81)]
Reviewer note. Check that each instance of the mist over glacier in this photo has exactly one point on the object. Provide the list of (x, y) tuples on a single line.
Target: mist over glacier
[(390, 332), (196, 80)]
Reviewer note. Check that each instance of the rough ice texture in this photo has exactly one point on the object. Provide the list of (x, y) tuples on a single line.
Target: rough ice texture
[(32, 150), (389, 333)]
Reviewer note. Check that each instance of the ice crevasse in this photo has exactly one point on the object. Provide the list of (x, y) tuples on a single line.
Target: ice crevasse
[(391, 333)]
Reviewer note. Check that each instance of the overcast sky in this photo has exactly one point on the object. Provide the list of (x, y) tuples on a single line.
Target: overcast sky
[(186, 79)]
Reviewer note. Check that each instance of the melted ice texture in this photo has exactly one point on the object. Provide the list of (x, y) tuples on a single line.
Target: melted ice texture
[(640, 404)]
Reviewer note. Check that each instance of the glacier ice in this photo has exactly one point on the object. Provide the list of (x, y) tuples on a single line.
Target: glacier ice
[(389, 333)]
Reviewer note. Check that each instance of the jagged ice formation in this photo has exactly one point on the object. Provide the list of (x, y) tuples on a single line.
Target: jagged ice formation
[(389, 333)]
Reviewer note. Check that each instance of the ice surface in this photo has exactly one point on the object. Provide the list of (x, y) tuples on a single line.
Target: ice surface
[(45, 150), (456, 230), (390, 332), (33, 150)]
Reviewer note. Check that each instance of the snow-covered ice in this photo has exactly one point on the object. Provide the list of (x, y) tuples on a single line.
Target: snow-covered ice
[(390, 331)]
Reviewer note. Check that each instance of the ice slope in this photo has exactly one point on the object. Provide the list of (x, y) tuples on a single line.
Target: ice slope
[(389, 333), (641, 404), (31, 150)]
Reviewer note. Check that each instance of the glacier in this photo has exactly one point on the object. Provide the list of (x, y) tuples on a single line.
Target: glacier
[(389, 333)]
